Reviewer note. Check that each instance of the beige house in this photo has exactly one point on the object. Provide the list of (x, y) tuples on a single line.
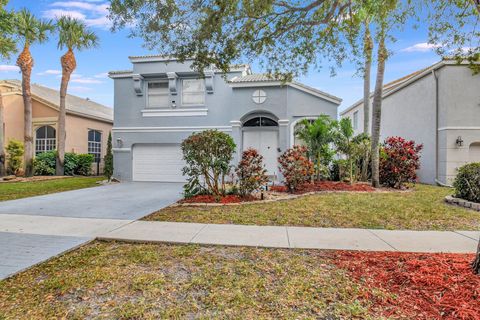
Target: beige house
[(87, 123)]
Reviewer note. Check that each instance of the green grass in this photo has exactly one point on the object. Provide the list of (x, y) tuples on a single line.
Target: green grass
[(158, 281), (18, 190), (422, 208)]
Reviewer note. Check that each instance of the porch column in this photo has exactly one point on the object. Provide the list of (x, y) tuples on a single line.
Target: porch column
[(283, 135), (237, 138)]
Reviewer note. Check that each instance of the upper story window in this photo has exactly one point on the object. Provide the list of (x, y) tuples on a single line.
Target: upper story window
[(193, 92), (158, 95), (45, 139), (355, 120), (95, 144)]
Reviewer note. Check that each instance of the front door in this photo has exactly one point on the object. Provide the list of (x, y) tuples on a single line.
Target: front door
[(266, 143)]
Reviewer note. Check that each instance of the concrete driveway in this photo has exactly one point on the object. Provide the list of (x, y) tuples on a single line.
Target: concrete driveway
[(36, 229)]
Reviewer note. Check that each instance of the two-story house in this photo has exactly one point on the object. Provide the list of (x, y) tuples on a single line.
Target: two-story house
[(161, 101), (438, 106)]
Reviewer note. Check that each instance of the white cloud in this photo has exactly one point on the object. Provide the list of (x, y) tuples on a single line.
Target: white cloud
[(93, 13), (420, 47), (86, 80), (57, 13), (8, 68), (102, 75), (49, 72), (79, 89)]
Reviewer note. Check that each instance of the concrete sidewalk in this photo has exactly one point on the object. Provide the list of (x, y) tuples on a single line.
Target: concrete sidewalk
[(297, 237)]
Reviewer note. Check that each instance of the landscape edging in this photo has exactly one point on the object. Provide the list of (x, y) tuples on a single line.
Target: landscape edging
[(462, 203)]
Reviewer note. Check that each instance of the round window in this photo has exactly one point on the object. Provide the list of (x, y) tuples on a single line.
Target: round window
[(259, 96)]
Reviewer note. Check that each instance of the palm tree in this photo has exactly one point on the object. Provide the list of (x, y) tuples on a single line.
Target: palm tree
[(7, 48), (73, 35), (317, 136), (344, 142), (29, 30)]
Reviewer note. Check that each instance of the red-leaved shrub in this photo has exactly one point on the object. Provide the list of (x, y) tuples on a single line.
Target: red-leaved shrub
[(399, 160), (295, 167), (251, 172)]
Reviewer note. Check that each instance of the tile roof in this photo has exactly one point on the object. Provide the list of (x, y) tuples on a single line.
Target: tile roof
[(75, 105), (256, 77)]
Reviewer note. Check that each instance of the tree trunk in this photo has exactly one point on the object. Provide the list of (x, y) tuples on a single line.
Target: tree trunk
[(2, 139), (476, 262), (377, 110), (68, 66), (25, 62), (368, 47)]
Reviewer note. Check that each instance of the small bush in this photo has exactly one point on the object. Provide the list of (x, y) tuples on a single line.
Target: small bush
[(251, 172), (295, 167), (71, 163), (467, 182), (15, 153), (84, 164), (399, 160), (208, 155), (44, 163)]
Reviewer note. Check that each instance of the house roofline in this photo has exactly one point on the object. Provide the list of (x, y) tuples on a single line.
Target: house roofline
[(297, 85), (52, 105), (394, 86)]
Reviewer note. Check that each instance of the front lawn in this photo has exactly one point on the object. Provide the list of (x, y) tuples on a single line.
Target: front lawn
[(423, 208), (133, 281), (110, 280), (17, 190)]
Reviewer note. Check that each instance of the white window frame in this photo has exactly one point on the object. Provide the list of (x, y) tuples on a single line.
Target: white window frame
[(98, 144), (47, 142), (148, 106), (355, 120), (202, 81)]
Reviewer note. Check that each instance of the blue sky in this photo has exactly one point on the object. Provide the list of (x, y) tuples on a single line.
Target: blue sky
[(410, 53)]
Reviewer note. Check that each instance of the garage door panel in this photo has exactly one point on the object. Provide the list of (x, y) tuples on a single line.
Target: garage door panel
[(156, 162)]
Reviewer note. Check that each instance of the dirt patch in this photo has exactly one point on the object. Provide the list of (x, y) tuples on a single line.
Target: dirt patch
[(35, 178), (420, 286)]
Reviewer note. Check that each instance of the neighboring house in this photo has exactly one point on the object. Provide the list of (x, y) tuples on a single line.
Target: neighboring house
[(162, 101), (439, 107), (87, 123)]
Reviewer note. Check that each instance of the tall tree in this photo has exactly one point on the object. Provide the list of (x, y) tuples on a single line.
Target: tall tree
[(367, 52), (29, 31), (7, 48), (73, 34)]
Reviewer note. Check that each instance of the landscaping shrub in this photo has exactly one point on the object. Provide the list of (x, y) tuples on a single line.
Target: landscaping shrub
[(295, 167), (108, 160), (14, 156), (84, 164), (208, 155), (70, 163), (251, 172), (44, 163), (467, 182), (399, 160)]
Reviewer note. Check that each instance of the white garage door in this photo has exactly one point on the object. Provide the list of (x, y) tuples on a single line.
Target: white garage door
[(158, 162)]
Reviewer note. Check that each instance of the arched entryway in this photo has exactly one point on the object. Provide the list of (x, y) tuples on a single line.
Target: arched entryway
[(45, 139), (260, 131), (474, 152)]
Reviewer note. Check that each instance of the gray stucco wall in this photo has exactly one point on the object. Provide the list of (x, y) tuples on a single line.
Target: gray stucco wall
[(410, 113), (227, 108)]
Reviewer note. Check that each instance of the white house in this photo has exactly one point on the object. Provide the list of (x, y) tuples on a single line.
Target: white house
[(438, 106)]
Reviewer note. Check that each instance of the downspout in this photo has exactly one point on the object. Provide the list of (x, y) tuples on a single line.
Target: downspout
[(435, 76)]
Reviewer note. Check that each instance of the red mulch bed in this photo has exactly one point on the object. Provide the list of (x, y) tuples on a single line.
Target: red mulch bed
[(327, 186), (417, 286), (213, 199)]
